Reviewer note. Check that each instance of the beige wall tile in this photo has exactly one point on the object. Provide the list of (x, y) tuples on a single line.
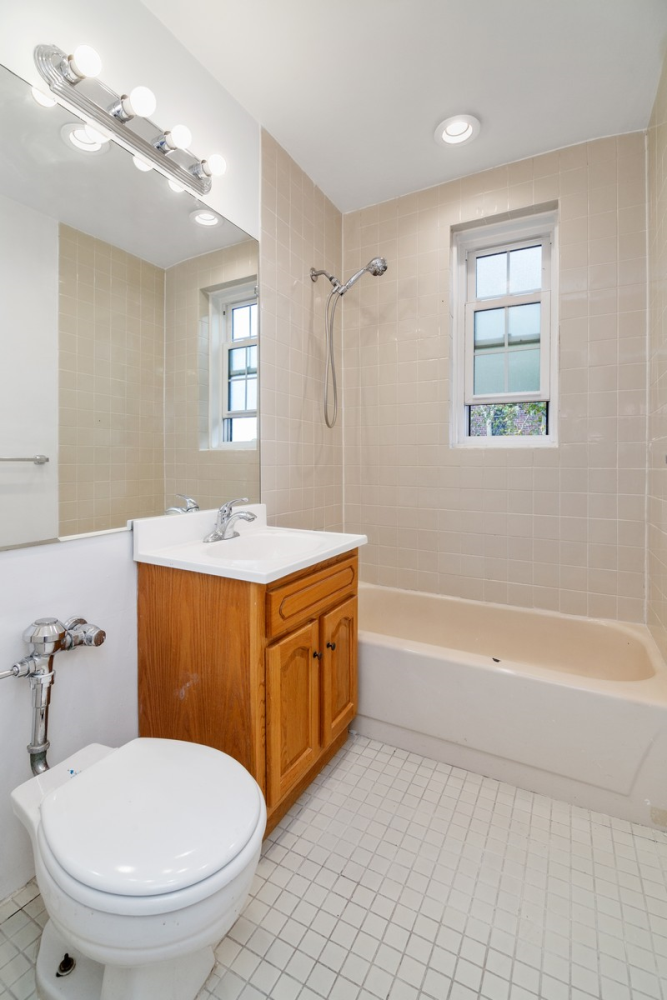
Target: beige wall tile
[(111, 348), (540, 529), (657, 345)]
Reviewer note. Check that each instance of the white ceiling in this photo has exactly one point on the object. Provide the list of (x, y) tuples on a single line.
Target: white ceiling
[(353, 90), (103, 195)]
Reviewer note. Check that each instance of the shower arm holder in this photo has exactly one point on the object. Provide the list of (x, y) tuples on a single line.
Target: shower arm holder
[(46, 637)]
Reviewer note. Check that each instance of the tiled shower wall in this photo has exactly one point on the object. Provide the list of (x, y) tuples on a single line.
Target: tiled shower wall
[(211, 476), (301, 459), (657, 454), (111, 333), (562, 528)]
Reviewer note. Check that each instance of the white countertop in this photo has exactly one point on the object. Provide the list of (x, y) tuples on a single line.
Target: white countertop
[(260, 554)]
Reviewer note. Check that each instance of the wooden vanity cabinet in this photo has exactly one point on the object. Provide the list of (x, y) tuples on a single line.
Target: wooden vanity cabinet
[(267, 674)]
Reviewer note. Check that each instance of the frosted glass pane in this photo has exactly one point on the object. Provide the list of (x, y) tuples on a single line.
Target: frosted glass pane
[(525, 270), (524, 324), (489, 374), (254, 312), (237, 360), (489, 328), (524, 371), (252, 394), (241, 322), (492, 275), (237, 394)]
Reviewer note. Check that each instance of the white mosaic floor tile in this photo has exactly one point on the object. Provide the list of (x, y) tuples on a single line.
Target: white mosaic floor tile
[(398, 878)]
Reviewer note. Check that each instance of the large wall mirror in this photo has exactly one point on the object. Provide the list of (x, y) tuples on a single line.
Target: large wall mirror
[(129, 335)]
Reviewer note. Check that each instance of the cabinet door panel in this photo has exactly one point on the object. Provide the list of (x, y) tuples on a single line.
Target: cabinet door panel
[(339, 669), (293, 698)]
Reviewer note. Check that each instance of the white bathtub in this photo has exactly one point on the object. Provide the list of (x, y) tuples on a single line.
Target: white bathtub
[(563, 706)]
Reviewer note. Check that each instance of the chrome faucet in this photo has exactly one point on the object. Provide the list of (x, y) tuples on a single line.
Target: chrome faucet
[(190, 506), (225, 519)]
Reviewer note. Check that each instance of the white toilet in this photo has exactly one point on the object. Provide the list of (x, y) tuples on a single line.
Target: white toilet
[(145, 856)]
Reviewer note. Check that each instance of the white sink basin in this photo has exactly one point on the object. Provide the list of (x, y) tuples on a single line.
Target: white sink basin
[(260, 554), (267, 544)]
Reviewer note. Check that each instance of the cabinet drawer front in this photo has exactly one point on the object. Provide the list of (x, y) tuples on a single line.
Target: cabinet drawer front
[(293, 603)]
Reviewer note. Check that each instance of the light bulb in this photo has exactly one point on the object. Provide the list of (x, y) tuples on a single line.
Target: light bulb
[(43, 99), (80, 138), (179, 137), (457, 130), (141, 164), (205, 218), (141, 101), (214, 166), (175, 186), (85, 61)]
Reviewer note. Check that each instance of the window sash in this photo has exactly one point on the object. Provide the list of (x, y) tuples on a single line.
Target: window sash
[(480, 305)]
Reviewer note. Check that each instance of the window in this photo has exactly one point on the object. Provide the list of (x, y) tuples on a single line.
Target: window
[(233, 318), (504, 352)]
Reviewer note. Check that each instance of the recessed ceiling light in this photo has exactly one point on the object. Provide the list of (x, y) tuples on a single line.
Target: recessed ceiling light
[(457, 130), (204, 217), (84, 138)]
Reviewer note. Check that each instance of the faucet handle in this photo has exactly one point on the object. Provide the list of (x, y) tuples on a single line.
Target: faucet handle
[(190, 503), (82, 633), (227, 507)]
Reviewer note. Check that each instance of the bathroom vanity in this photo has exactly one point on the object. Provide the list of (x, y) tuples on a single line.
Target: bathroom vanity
[(265, 671)]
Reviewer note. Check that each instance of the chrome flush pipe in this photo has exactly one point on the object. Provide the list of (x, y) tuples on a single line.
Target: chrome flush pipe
[(46, 637)]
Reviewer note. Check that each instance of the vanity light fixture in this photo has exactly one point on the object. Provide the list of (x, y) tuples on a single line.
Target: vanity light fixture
[(457, 130), (140, 101), (204, 217), (125, 119), (85, 62), (214, 166), (178, 188)]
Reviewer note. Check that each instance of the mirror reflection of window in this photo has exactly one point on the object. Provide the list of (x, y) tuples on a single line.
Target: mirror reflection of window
[(234, 321)]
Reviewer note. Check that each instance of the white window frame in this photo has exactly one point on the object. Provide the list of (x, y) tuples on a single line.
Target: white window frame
[(221, 303), (468, 244)]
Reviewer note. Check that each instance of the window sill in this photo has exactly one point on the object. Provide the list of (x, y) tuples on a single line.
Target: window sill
[(507, 442), (234, 446)]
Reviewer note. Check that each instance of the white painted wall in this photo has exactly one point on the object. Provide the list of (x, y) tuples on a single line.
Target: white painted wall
[(94, 698), (29, 396), (136, 48)]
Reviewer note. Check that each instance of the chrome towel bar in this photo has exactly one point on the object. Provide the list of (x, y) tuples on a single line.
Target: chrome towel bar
[(35, 459)]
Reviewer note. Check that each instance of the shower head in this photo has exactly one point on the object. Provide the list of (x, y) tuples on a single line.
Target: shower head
[(376, 267)]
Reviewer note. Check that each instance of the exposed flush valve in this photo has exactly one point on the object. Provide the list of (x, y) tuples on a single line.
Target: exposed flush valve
[(46, 637), (79, 632)]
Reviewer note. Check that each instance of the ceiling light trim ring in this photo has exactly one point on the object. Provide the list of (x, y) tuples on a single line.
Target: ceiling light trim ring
[(445, 135), (49, 60)]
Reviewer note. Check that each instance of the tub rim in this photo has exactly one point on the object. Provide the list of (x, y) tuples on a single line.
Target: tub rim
[(648, 689)]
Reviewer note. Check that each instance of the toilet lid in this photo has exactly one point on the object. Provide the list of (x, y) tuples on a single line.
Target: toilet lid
[(153, 817)]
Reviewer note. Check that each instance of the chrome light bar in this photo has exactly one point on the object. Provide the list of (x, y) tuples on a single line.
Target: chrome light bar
[(192, 176)]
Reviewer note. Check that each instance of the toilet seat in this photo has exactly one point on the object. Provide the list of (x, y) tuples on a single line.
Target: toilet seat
[(154, 826)]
